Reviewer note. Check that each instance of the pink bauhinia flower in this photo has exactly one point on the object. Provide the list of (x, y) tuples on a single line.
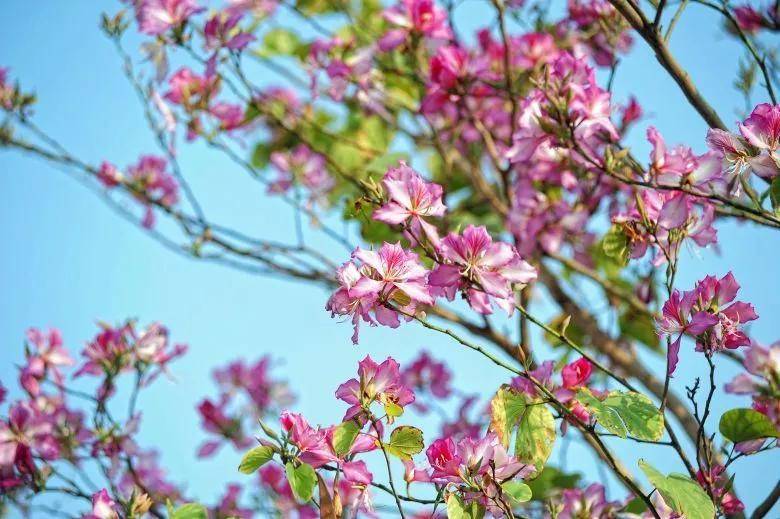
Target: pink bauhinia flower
[(716, 480), (708, 313), (375, 383), (229, 504), (189, 89), (411, 199), (591, 502), (577, 373), (485, 270), (762, 130), (158, 16), (748, 18), (103, 507), (313, 445), (389, 276), (426, 374), (418, 17), (221, 30), (302, 167), (44, 355), (214, 419), (473, 458), (24, 435)]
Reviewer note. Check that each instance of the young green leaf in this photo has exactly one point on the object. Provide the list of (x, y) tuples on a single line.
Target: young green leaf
[(615, 245), (774, 194), (344, 436), (255, 458), (535, 436), (517, 491), (625, 413), (457, 509), (739, 425), (506, 408), (681, 493), (405, 442), (189, 511), (302, 480)]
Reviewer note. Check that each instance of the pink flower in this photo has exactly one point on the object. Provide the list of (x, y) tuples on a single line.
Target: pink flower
[(313, 445), (375, 383), (157, 16), (472, 458), (216, 421), (577, 373), (258, 8), (230, 116), (410, 199), (591, 502), (103, 507), (421, 17), (533, 49), (762, 130), (718, 482), (705, 313), (109, 175), (485, 270), (221, 30), (391, 270), (748, 19), (229, 504), (7, 90), (44, 355), (426, 373), (444, 460), (25, 433), (187, 88), (302, 167), (666, 218)]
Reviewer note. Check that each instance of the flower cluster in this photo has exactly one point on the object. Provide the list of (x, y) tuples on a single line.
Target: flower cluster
[(754, 149), (247, 392), (379, 286), (380, 383), (50, 433), (410, 200), (301, 167), (709, 314), (485, 271), (147, 180)]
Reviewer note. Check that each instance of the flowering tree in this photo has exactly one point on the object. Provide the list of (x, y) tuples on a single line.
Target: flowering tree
[(529, 189)]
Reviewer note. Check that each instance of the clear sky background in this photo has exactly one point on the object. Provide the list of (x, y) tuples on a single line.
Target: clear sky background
[(67, 260)]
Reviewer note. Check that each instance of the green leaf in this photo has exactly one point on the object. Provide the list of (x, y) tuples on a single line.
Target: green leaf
[(535, 436), (640, 327), (457, 509), (739, 425), (625, 413), (517, 491), (506, 408), (302, 480), (255, 458), (615, 245), (189, 511), (774, 194), (681, 493), (405, 442), (344, 436), (550, 481), (279, 41)]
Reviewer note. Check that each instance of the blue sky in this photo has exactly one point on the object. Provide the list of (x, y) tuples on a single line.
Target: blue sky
[(69, 260)]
